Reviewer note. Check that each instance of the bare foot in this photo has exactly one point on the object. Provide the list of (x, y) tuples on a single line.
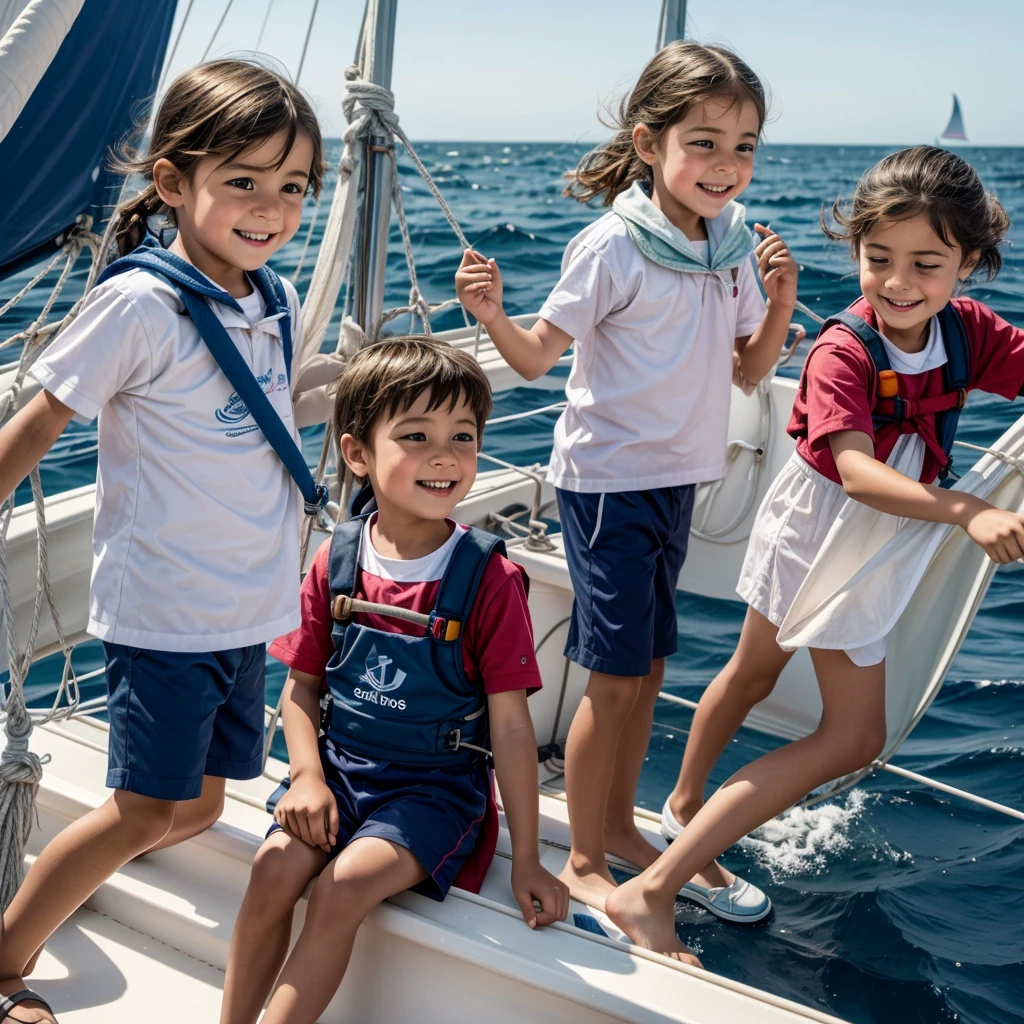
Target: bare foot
[(712, 875), (587, 883), (650, 926), (629, 845), (30, 1011)]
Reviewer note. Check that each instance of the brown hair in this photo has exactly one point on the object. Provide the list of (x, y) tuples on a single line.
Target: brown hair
[(932, 182), (222, 107), (386, 378), (677, 77)]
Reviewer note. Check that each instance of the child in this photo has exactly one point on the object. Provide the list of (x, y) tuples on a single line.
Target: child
[(658, 295), (920, 225), (392, 796), (196, 534)]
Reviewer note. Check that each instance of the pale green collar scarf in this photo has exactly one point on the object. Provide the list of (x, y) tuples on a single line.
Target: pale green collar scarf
[(730, 242)]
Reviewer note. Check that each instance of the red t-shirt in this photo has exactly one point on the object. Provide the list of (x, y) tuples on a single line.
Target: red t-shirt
[(838, 387), (497, 647)]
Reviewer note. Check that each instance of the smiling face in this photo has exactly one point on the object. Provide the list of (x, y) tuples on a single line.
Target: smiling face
[(908, 274), (701, 162), (233, 215), (421, 462)]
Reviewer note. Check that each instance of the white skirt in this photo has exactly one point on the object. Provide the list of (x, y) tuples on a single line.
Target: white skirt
[(791, 525)]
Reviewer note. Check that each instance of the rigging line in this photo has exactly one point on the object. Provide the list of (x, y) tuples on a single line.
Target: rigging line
[(263, 27), (209, 45), (174, 48), (305, 45), (904, 773)]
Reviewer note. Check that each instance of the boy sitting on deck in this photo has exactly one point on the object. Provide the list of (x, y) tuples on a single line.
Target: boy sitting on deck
[(394, 793)]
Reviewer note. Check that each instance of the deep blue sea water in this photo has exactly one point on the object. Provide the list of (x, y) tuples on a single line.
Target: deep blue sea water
[(893, 903)]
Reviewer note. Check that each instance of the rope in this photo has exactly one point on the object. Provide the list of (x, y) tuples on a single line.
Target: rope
[(305, 42), (209, 45), (174, 48), (263, 27)]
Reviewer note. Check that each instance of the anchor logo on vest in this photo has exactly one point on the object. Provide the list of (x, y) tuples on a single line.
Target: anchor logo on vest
[(376, 672)]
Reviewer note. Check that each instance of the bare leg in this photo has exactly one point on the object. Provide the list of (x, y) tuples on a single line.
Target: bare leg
[(364, 874), (851, 734), (749, 676), (68, 872), (194, 816), (589, 767), (190, 818), (621, 836), (280, 873)]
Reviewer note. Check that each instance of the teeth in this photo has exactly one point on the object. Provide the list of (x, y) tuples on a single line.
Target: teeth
[(254, 235), (902, 305), (716, 188), (437, 485)]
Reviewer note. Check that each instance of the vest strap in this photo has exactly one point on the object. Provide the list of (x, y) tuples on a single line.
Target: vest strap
[(194, 290)]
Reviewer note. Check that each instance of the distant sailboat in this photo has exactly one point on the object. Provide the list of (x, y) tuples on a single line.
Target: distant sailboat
[(955, 133)]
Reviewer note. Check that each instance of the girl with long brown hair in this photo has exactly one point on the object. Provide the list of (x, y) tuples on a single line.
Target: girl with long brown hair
[(660, 296), (196, 560)]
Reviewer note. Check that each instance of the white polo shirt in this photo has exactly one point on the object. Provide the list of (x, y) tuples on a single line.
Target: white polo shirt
[(649, 387), (195, 541)]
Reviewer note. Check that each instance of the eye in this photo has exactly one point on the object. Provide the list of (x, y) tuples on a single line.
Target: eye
[(416, 435), (927, 266), (242, 183), (703, 143), (292, 189), (745, 147), (465, 437), (877, 260)]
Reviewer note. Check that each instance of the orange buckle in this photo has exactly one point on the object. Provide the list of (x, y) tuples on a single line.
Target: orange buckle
[(961, 398), (341, 608)]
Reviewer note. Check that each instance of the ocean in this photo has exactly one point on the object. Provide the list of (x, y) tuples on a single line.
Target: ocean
[(893, 903)]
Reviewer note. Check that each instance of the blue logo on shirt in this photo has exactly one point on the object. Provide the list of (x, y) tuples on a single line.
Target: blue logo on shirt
[(235, 410)]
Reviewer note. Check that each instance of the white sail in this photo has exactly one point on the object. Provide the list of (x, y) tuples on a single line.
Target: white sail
[(955, 131)]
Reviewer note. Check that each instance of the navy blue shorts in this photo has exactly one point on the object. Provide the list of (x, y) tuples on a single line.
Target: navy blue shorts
[(175, 717), (434, 813), (625, 551)]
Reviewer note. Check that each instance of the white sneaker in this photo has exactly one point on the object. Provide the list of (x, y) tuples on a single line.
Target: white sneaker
[(740, 902)]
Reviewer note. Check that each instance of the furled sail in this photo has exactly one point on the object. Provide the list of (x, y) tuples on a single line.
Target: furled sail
[(53, 160)]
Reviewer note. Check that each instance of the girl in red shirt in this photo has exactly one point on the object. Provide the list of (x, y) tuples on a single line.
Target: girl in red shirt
[(921, 223)]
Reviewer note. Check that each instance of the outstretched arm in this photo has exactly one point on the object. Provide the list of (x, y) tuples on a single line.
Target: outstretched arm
[(865, 479), (515, 760), (531, 353), (28, 437)]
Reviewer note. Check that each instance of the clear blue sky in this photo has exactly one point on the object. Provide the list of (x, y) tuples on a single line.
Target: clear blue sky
[(852, 72)]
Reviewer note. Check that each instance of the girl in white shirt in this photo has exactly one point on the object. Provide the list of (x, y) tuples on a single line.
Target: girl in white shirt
[(659, 296), (195, 542)]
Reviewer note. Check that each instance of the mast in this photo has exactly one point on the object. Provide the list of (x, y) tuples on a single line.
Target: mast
[(374, 216), (672, 24)]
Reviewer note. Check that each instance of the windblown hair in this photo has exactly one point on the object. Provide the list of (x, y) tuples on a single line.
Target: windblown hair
[(677, 77), (934, 183), (220, 108), (386, 378)]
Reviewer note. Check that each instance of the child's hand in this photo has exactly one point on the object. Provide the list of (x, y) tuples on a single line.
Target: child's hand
[(779, 271), (531, 882), (1000, 533), (478, 286), (309, 812)]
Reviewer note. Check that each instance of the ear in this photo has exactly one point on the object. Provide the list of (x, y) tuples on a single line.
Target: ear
[(167, 181), (356, 455), (643, 143), (969, 263)]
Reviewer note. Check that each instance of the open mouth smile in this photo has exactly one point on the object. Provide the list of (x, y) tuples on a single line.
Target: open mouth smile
[(438, 487), (715, 190), (259, 239), (902, 306)]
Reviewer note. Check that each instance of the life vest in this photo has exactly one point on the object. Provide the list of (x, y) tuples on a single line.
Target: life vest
[(891, 407), (395, 697), (195, 289)]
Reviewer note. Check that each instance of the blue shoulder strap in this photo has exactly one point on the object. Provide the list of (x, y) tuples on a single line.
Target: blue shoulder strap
[(344, 556), (866, 335), (958, 372), (194, 290)]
